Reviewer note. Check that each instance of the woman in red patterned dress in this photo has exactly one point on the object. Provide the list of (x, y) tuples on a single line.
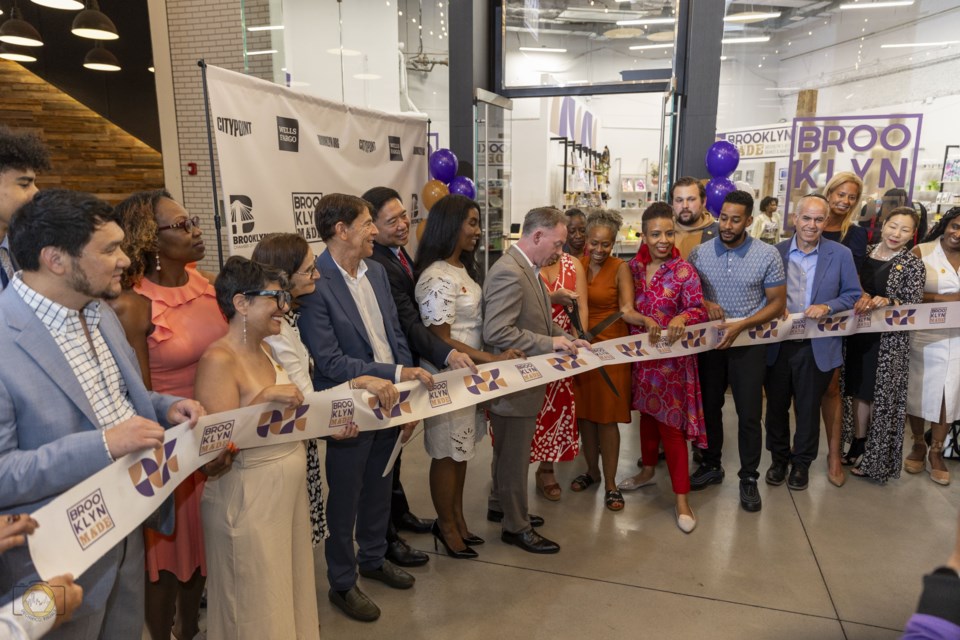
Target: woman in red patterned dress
[(557, 438), (666, 392)]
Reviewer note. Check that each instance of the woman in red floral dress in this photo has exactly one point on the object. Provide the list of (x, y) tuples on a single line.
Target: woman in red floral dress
[(666, 392), (557, 438)]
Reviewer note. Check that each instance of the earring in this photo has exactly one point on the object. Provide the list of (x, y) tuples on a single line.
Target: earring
[(244, 329), (158, 261)]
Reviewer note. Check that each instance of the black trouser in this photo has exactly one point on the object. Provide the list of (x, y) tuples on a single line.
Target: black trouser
[(795, 376), (398, 503), (743, 369)]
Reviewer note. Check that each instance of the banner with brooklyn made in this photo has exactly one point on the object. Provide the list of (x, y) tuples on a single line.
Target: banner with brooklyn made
[(280, 151), (82, 524)]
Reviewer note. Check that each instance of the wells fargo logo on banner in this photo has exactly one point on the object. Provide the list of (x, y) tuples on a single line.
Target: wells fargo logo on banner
[(881, 150), (154, 471)]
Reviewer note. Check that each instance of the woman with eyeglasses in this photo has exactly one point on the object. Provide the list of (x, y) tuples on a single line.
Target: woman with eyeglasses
[(256, 518), (169, 312), (292, 255)]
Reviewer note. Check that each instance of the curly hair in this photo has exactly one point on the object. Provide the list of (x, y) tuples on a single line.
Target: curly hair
[(138, 218), (609, 218), (22, 150)]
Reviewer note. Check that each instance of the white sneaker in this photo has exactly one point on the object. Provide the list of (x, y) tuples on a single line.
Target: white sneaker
[(684, 522)]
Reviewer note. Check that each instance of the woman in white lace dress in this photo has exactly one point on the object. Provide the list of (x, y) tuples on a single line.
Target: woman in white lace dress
[(449, 294)]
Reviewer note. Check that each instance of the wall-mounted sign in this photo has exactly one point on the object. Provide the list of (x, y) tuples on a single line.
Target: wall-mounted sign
[(881, 150), (756, 143)]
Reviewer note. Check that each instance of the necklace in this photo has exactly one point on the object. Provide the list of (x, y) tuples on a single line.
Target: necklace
[(878, 256)]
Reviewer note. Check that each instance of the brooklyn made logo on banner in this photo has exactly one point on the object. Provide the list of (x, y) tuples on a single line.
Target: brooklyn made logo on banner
[(367, 146), (233, 127), (396, 155), (90, 519), (288, 134), (304, 210), (242, 222), (328, 141)]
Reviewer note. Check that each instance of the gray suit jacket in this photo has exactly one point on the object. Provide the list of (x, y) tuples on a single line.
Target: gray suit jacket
[(49, 438), (517, 314)]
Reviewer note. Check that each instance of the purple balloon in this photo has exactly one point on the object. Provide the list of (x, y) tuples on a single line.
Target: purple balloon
[(443, 165), (717, 190), (464, 186), (722, 159)]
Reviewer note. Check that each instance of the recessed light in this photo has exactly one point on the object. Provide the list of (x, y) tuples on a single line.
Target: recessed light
[(151, 70)]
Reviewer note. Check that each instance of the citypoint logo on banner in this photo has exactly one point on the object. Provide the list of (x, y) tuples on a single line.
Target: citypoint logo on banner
[(288, 134), (304, 208), (242, 222), (396, 155), (233, 127), (881, 150)]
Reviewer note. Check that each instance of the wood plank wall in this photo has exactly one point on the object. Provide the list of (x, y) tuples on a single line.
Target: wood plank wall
[(88, 152)]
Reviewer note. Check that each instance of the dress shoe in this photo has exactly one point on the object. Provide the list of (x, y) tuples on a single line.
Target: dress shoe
[(749, 495), (403, 555), (497, 516), (799, 478), (776, 474), (531, 541), (632, 484), (413, 524), (473, 540), (355, 604), (390, 575), (684, 522), (463, 554), (704, 476)]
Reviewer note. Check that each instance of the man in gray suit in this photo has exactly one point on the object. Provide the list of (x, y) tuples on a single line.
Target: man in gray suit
[(516, 314), (71, 396)]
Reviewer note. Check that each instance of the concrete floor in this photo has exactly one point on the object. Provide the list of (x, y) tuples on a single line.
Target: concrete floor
[(822, 563)]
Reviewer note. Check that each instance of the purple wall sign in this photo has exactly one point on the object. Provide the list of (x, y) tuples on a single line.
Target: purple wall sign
[(881, 150)]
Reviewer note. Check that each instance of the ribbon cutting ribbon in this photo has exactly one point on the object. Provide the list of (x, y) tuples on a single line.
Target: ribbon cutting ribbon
[(590, 335), (83, 523)]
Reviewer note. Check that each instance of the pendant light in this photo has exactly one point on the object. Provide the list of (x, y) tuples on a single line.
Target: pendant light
[(100, 59), (68, 5), (16, 54), (94, 24), (16, 30)]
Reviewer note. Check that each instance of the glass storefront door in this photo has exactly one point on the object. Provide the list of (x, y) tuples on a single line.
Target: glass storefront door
[(492, 162)]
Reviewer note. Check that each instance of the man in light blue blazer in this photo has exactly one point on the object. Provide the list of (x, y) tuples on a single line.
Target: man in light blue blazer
[(351, 328), (71, 394), (821, 280)]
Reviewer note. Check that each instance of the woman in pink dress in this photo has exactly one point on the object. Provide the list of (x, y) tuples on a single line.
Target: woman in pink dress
[(169, 312), (557, 438), (666, 392)]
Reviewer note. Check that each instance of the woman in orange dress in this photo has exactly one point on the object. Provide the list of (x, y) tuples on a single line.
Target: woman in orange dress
[(599, 410), (556, 438), (170, 315)]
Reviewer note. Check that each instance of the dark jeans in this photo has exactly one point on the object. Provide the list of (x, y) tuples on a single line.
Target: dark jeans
[(795, 376), (743, 369)]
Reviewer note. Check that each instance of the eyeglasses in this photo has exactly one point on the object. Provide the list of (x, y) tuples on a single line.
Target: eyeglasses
[(309, 272), (283, 298), (187, 224)]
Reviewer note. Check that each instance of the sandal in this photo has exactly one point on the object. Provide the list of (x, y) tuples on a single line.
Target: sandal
[(854, 453), (614, 500), (550, 491), (581, 482), (917, 458)]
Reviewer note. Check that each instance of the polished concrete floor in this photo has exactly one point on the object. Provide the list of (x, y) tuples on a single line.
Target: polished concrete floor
[(822, 563)]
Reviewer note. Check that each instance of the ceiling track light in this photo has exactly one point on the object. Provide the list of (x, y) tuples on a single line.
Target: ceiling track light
[(16, 54), (100, 59), (884, 4), (66, 5), (16, 30), (94, 24), (751, 16), (746, 40)]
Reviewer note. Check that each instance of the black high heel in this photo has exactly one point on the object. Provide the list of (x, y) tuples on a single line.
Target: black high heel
[(438, 540), (472, 540), (854, 453)]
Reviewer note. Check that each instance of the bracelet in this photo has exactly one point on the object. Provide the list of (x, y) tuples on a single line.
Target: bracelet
[(351, 382), (103, 436)]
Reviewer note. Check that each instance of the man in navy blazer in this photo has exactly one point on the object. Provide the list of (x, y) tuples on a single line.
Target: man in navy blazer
[(821, 280), (350, 326), (72, 399)]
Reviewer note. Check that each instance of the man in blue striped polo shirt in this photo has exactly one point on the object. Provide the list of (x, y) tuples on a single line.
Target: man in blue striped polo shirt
[(743, 285)]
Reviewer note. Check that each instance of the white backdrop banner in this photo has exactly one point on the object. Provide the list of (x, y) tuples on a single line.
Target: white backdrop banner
[(82, 524), (280, 151)]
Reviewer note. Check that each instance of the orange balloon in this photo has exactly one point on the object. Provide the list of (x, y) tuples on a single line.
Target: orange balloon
[(433, 191)]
